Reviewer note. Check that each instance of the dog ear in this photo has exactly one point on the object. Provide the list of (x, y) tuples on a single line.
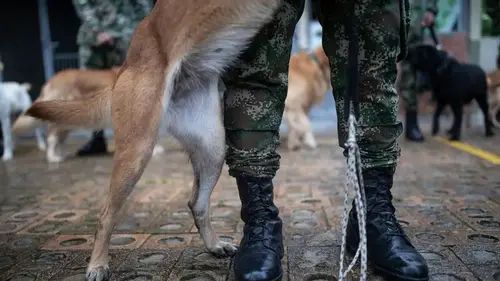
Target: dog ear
[(26, 86)]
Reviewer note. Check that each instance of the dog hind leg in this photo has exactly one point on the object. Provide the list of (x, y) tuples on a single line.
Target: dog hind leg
[(55, 141), (39, 139), (137, 109), (196, 121)]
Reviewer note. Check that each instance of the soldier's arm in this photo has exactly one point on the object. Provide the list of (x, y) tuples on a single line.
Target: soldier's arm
[(86, 11)]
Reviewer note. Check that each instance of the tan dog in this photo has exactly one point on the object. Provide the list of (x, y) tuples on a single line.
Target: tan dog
[(494, 95), (308, 83), (70, 84), (172, 71)]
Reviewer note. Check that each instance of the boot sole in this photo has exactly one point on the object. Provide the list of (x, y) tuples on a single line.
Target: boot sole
[(385, 273), (279, 278)]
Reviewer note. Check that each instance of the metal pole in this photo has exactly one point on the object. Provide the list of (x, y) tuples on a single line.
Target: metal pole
[(303, 27), (1, 69), (45, 39)]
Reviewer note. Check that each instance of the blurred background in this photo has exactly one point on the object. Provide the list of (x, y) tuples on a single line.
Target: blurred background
[(38, 39)]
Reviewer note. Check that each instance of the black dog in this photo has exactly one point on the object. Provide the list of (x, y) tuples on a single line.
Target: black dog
[(453, 83)]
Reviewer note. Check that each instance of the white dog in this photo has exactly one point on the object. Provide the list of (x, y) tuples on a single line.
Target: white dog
[(14, 99)]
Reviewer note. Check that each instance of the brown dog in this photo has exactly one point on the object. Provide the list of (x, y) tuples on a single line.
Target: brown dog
[(494, 95), (308, 83), (69, 85), (172, 71)]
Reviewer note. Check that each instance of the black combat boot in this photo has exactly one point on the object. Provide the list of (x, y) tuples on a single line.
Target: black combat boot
[(97, 145), (412, 130), (389, 249), (261, 248)]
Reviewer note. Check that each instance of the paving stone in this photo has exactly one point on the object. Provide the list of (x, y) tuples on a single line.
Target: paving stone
[(447, 201), (487, 273)]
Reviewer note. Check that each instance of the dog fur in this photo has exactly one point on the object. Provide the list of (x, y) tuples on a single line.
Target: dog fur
[(68, 85), (308, 83), (14, 100), (453, 83), (172, 71), (494, 94)]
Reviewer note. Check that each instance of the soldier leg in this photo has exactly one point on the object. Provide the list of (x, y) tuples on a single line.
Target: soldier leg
[(389, 249), (408, 87), (254, 105)]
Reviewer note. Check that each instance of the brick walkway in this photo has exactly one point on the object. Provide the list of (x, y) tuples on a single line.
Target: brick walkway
[(448, 201)]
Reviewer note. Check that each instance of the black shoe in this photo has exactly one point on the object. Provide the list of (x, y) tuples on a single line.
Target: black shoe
[(389, 249), (412, 130), (96, 146), (261, 248)]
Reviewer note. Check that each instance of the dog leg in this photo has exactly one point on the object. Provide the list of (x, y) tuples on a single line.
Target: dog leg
[(158, 150), (40, 140), (55, 139), (300, 130), (8, 143), (137, 108), (457, 122), (196, 122), (482, 101), (435, 120)]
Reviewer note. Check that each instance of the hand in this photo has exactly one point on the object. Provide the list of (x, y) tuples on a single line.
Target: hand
[(104, 38), (428, 19)]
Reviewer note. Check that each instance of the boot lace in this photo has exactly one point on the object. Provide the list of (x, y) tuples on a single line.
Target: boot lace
[(258, 222)]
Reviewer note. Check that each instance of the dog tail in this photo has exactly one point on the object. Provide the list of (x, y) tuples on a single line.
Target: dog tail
[(25, 123), (91, 112)]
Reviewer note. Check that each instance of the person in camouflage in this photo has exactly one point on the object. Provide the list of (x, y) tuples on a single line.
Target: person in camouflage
[(409, 82), (254, 102), (103, 38), (493, 10)]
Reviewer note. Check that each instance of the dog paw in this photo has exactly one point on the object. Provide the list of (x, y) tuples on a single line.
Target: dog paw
[(158, 149), (224, 249), (7, 157), (42, 147), (55, 159), (98, 273)]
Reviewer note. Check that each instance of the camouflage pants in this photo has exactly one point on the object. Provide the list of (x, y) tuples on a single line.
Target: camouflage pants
[(101, 57), (408, 86), (257, 86)]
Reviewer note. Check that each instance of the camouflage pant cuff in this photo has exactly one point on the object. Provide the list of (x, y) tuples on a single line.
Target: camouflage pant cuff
[(254, 163), (378, 145)]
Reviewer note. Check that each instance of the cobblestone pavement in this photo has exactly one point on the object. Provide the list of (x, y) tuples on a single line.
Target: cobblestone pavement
[(448, 201)]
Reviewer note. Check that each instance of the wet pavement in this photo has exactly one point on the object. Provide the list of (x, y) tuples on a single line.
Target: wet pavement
[(447, 200)]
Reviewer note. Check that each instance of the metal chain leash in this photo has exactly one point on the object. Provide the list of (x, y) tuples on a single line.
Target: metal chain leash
[(354, 180)]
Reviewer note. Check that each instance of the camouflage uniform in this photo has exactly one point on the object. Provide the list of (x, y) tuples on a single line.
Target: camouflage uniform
[(493, 10), (257, 87), (254, 104), (408, 81), (119, 18)]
